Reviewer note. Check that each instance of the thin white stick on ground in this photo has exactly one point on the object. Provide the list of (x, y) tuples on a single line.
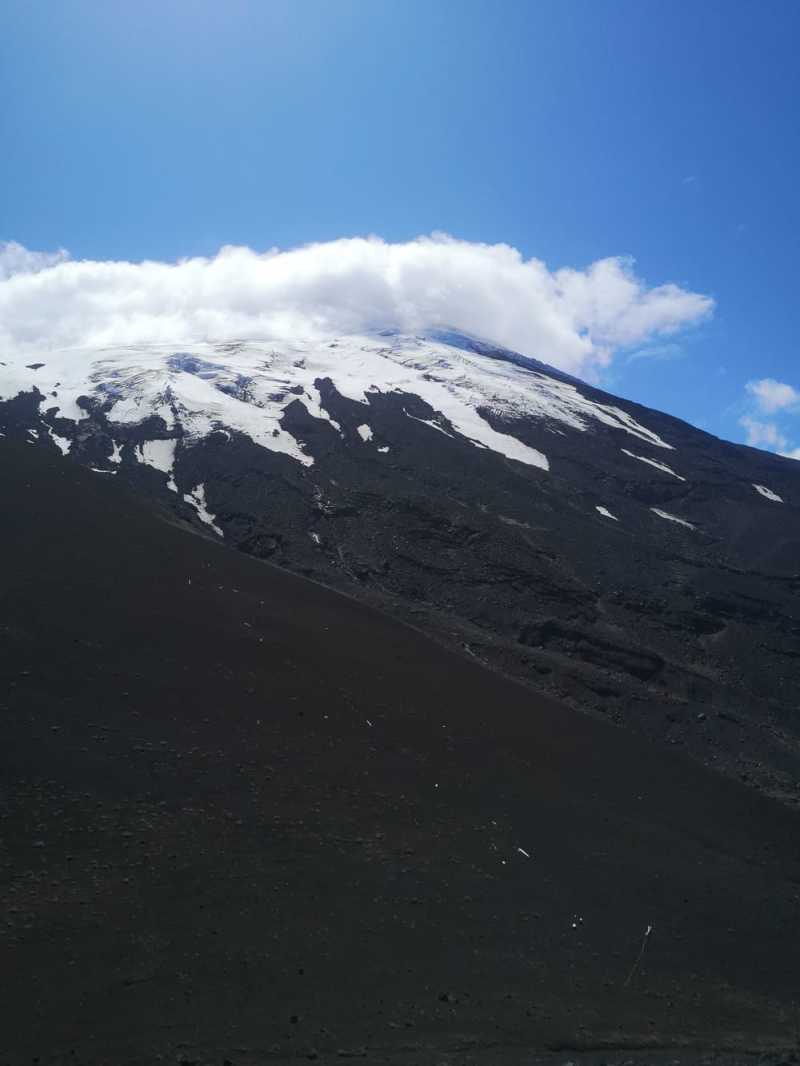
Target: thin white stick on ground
[(635, 966)]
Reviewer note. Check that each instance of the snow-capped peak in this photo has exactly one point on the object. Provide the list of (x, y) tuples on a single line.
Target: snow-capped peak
[(246, 386)]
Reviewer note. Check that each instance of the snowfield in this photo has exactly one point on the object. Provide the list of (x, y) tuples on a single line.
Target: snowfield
[(245, 387)]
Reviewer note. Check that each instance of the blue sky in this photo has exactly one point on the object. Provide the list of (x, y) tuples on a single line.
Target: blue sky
[(571, 130)]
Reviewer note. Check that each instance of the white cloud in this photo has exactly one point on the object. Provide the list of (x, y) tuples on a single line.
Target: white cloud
[(574, 319), (16, 259), (771, 395), (763, 434)]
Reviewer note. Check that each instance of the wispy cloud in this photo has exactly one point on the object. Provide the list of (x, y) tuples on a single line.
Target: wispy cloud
[(661, 353), (770, 397), (575, 319), (763, 434)]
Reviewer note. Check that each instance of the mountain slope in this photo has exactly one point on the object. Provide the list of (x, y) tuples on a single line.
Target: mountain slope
[(633, 566), (248, 819)]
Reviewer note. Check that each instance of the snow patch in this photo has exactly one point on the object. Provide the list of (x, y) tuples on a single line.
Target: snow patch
[(364, 432), (313, 404), (653, 462), (672, 518), (605, 513), (768, 493), (116, 453), (384, 449), (62, 443), (160, 454), (430, 422), (197, 498)]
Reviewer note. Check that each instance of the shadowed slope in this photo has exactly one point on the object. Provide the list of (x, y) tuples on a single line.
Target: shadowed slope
[(247, 818)]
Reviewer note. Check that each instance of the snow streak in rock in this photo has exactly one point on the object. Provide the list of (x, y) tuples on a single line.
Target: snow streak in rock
[(768, 493), (672, 518), (653, 462)]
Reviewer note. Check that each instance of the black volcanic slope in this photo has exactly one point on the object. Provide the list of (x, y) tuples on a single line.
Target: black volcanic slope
[(687, 634), (245, 819)]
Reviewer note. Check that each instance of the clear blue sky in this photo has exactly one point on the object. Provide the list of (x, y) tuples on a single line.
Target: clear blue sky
[(573, 130)]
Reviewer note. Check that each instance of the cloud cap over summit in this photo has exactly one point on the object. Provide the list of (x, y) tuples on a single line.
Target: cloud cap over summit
[(573, 319)]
